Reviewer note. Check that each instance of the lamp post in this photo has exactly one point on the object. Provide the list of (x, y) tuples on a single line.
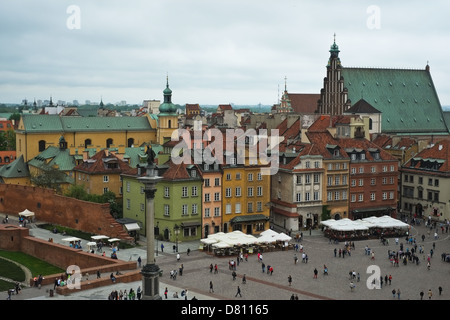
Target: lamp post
[(150, 271), (176, 228)]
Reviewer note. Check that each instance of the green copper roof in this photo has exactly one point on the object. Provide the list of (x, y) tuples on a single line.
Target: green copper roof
[(54, 156), (55, 123), (16, 169), (407, 98)]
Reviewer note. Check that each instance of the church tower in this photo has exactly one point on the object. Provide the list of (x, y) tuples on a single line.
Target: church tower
[(167, 117), (333, 96)]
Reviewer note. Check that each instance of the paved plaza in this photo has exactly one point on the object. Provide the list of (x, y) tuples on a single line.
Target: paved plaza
[(410, 279)]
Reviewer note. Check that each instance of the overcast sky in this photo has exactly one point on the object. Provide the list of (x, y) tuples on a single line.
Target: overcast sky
[(214, 51)]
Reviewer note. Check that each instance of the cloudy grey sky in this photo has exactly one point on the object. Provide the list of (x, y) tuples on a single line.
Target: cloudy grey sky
[(214, 51)]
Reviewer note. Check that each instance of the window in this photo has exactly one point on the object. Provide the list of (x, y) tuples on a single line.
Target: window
[(194, 191), (207, 183), (316, 178), (228, 176), (109, 143), (436, 182), (420, 180), (184, 192), (259, 206), (430, 182), (373, 169), (166, 192), (238, 176), (250, 191), (344, 195), (217, 212), (391, 195), (384, 195), (237, 208), (128, 186), (337, 195), (316, 195), (372, 181), (250, 207), (307, 178), (361, 170), (361, 182), (105, 190), (250, 177), (166, 210), (316, 164), (228, 208), (360, 197), (41, 145), (259, 191), (353, 170), (142, 207), (384, 180), (384, 168), (238, 191), (353, 198), (128, 203), (329, 196), (307, 164), (353, 182), (337, 180), (307, 196), (105, 178), (372, 196), (194, 208), (228, 192), (392, 168), (259, 176), (216, 196), (193, 173), (298, 197), (299, 179), (184, 209), (207, 197), (207, 212), (217, 182), (344, 180)]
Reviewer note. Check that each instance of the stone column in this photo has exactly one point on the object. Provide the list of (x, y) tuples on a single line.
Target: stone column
[(150, 271)]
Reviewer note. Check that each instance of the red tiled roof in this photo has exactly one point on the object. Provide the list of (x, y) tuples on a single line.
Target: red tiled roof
[(98, 164), (304, 102), (441, 151)]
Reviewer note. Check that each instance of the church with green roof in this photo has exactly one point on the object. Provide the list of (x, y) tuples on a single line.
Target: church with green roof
[(406, 98)]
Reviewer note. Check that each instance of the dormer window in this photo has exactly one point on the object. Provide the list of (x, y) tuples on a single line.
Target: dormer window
[(193, 173), (336, 153)]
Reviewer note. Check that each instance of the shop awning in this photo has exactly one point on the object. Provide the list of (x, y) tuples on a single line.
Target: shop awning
[(132, 226), (249, 218)]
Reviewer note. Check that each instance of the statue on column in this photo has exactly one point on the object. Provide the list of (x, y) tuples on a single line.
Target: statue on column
[(150, 156)]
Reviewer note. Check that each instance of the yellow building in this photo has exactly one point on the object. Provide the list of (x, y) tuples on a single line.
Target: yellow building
[(101, 173), (35, 133), (246, 197)]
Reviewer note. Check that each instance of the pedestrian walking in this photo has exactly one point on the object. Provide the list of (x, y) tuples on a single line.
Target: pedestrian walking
[(211, 289), (289, 280), (162, 247), (238, 292), (352, 286), (166, 291), (430, 294), (315, 273), (421, 295), (216, 268), (139, 260), (393, 293), (398, 294), (440, 290), (178, 257), (244, 279)]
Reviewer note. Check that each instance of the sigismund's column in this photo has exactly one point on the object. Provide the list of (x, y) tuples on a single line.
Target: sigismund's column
[(150, 271)]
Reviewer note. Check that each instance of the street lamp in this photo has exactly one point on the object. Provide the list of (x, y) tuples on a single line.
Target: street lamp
[(176, 229)]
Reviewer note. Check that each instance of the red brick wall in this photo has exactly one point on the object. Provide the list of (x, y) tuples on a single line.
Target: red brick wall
[(60, 210)]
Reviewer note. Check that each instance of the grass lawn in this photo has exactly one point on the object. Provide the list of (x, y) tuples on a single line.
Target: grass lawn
[(35, 265)]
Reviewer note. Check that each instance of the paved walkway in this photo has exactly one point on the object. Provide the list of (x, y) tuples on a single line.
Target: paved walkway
[(411, 279)]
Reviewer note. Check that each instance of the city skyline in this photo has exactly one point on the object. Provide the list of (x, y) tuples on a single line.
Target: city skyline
[(212, 53)]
